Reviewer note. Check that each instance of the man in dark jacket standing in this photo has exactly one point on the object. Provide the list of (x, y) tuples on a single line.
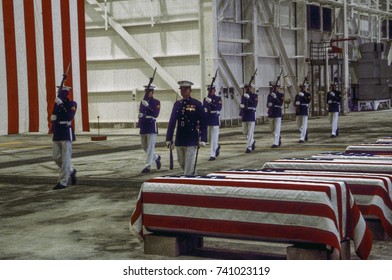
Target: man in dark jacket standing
[(301, 103), (274, 104), (189, 118), (249, 101), (148, 112), (333, 100), (212, 106), (63, 136)]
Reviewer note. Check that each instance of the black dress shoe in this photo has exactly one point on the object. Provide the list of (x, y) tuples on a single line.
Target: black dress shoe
[(274, 146), (254, 145), (217, 151), (158, 162), (146, 170), (301, 141), (248, 151), (73, 177), (211, 159), (333, 136), (59, 187)]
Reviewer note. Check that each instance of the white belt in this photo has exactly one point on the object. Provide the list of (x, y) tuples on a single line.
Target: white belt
[(150, 117), (214, 112), (251, 108), (65, 122), (277, 106), (307, 105)]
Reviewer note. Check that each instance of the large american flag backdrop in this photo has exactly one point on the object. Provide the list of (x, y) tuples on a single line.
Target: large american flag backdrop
[(38, 39), (372, 192), (315, 212)]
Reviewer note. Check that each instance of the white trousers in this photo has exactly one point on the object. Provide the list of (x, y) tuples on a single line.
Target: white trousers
[(275, 125), (333, 120), (148, 145), (62, 153), (302, 124), (249, 131), (213, 132), (186, 158)]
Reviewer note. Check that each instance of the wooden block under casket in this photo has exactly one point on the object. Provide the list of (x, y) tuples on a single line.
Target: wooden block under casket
[(170, 245)]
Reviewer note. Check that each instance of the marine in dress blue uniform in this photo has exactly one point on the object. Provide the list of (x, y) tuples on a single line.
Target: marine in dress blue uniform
[(249, 101), (301, 103), (212, 106), (63, 135), (334, 98), (274, 104), (148, 112), (188, 120)]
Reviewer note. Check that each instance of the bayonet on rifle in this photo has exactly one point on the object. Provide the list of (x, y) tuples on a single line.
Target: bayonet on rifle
[(63, 80), (252, 78), (212, 82), (149, 84)]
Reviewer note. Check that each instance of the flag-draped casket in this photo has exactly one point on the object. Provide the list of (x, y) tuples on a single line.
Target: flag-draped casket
[(372, 192), (314, 212)]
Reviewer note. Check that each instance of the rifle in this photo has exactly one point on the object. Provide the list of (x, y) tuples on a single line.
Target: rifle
[(252, 78), (250, 84), (63, 80), (277, 80), (149, 84), (212, 82)]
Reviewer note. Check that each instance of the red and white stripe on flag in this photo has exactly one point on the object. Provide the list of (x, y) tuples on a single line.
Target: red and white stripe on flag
[(38, 39)]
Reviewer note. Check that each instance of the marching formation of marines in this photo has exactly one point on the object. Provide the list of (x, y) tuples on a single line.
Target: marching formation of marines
[(191, 123)]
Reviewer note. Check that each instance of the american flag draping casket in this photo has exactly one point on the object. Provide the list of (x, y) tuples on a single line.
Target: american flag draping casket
[(384, 140), (372, 192), (376, 149), (310, 212), (328, 164), (361, 156)]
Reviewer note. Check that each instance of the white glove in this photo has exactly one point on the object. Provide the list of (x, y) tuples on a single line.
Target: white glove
[(208, 100), (301, 94), (242, 106), (269, 104), (329, 101), (58, 101), (202, 144), (273, 95), (53, 118), (145, 103), (297, 103), (332, 93), (247, 96), (140, 115)]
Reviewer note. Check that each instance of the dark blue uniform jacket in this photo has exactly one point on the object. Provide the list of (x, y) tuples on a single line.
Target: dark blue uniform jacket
[(62, 127), (248, 113), (303, 108), (147, 122), (274, 105), (189, 117), (335, 101), (212, 110)]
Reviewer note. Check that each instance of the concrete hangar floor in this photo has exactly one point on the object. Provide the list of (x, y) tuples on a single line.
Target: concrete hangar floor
[(90, 221)]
